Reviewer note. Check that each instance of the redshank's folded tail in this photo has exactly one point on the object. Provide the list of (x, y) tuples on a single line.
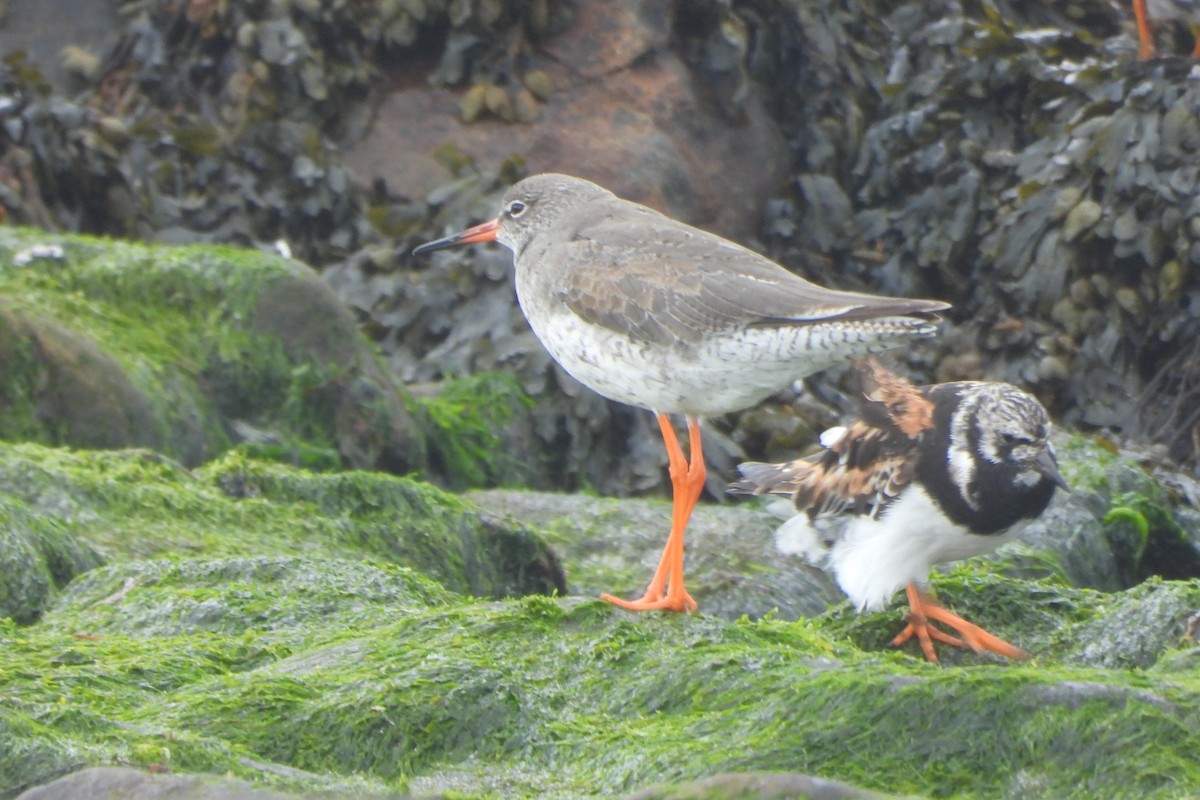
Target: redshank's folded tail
[(845, 307)]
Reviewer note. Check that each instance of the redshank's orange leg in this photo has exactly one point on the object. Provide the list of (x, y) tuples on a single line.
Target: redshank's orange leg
[(923, 609), (1195, 36), (1145, 38), (666, 591)]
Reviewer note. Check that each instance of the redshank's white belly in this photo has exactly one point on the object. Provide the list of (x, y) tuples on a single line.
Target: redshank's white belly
[(723, 373)]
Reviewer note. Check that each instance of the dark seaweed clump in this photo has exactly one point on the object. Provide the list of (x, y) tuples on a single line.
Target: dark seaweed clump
[(1010, 157)]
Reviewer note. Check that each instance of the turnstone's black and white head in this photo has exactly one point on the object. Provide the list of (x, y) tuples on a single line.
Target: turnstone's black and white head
[(928, 475)]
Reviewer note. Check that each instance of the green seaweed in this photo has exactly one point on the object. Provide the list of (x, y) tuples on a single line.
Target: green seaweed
[(465, 417), (67, 509), (569, 698)]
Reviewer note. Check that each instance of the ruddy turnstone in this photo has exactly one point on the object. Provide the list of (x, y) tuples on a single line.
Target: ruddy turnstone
[(652, 312), (927, 476)]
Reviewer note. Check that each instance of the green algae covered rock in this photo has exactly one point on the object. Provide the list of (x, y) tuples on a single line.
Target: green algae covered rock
[(324, 634), (347, 634), (189, 350), (37, 555), (67, 511), (374, 680)]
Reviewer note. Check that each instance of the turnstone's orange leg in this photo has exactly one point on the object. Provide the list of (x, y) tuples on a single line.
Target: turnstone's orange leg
[(924, 609), (666, 592), (1145, 39), (1196, 36)]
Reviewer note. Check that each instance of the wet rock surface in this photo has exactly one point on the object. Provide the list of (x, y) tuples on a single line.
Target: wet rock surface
[(136, 784)]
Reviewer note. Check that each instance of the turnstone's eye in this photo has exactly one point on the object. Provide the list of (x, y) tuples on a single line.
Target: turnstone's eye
[(515, 209)]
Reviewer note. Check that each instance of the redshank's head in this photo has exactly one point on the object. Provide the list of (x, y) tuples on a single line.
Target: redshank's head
[(530, 207)]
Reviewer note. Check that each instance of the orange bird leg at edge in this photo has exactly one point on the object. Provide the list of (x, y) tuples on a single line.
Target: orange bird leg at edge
[(666, 592), (1145, 39), (1195, 36), (924, 609)]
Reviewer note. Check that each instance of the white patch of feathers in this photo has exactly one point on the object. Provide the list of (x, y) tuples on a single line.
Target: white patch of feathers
[(872, 558), (831, 437)]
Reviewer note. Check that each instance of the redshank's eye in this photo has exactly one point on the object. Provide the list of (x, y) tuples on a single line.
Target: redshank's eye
[(515, 209)]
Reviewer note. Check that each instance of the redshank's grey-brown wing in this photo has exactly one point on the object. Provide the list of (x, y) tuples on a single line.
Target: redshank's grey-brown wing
[(657, 280)]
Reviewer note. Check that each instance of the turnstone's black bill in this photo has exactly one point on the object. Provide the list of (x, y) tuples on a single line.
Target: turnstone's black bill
[(651, 312), (927, 476)]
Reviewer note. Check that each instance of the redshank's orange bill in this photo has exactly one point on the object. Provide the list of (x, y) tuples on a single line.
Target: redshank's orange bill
[(485, 232), (655, 313)]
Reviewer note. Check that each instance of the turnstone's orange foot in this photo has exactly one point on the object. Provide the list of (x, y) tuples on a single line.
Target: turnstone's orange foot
[(924, 609)]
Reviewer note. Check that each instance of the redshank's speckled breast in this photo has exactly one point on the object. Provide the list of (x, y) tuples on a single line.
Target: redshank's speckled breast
[(723, 372)]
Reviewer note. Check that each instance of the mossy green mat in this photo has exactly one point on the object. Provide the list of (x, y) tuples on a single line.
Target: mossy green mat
[(373, 678)]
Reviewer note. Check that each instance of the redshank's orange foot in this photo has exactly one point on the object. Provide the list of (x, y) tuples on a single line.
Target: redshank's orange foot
[(679, 602)]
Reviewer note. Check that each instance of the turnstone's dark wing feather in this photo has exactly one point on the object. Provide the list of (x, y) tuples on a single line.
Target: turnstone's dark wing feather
[(892, 403), (864, 467)]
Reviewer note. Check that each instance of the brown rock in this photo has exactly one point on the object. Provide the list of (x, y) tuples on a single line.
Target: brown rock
[(626, 112), (42, 28)]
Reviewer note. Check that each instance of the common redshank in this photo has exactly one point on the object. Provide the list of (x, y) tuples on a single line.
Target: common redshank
[(1184, 10), (654, 313), (928, 475)]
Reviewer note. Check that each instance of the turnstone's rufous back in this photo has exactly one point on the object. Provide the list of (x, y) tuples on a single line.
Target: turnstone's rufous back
[(652, 312), (927, 476)]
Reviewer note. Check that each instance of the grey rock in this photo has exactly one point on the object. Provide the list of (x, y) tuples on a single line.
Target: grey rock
[(731, 563), (1073, 532), (760, 786), (111, 783)]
